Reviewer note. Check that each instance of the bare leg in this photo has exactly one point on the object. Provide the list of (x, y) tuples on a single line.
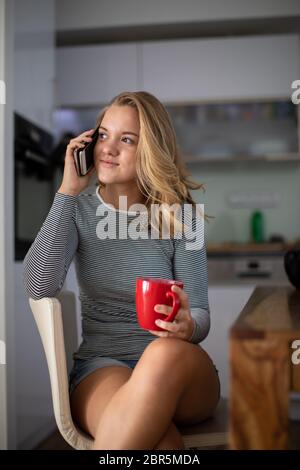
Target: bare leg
[(138, 415), (172, 440), (172, 379), (93, 394)]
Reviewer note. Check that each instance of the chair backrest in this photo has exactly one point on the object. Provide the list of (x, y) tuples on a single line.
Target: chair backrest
[(48, 317), (69, 318)]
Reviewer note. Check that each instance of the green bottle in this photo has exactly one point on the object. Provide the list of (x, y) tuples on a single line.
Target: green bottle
[(257, 227)]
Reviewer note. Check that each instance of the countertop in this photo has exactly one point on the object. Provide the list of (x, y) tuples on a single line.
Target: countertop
[(242, 249), (272, 308)]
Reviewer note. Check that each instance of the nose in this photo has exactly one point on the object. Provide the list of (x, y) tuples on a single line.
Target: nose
[(109, 147)]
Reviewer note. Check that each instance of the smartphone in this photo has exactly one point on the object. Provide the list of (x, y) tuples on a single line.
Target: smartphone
[(84, 157)]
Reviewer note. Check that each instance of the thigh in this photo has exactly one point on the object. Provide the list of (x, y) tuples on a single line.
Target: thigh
[(187, 371), (92, 394), (202, 391)]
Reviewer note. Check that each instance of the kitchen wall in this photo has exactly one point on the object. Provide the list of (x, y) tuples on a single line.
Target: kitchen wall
[(232, 224)]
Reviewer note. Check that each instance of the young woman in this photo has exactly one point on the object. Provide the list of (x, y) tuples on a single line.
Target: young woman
[(130, 388)]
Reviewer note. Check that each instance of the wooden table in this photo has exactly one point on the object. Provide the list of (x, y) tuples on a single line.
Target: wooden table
[(261, 370)]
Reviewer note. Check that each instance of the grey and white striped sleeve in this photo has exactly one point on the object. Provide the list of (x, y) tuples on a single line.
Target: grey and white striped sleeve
[(47, 261), (190, 266)]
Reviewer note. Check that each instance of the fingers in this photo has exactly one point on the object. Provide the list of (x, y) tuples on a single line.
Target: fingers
[(162, 334), (84, 137), (85, 134), (164, 309), (169, 326), (183, 297), (184, 302), (77, 143)]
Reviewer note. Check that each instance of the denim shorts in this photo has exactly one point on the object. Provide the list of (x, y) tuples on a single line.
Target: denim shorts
[(83, 367)]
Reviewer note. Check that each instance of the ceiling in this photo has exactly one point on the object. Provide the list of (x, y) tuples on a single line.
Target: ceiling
[(221, 28)]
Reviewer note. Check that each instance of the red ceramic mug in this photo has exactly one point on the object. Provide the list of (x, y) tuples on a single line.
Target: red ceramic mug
[(152, 291)]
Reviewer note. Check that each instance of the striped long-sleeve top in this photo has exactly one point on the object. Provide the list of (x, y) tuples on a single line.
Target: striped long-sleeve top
[(107, 269)]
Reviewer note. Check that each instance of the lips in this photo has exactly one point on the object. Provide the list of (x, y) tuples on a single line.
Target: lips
[(108, 163)]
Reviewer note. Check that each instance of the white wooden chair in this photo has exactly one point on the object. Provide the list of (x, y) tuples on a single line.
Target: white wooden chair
[(51, 324)]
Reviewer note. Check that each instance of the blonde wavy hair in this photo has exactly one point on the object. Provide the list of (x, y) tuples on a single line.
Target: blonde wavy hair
[(161, 174)]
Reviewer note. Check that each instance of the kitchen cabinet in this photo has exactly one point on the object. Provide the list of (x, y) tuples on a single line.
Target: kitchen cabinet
[(92, 75), (182, 70), (222, 68), (226, 303), (243, 130), (34, 61)]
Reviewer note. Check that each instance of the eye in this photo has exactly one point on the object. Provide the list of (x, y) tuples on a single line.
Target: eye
[(101, 134), (128, 140)]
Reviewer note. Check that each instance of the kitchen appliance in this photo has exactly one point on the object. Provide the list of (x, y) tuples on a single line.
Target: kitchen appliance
[(33, 178)]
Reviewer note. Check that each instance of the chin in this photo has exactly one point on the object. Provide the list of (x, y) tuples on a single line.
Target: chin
[(104, 178)]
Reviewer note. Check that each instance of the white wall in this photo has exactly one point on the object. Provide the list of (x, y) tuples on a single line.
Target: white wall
[(74, 14), (7, 384)]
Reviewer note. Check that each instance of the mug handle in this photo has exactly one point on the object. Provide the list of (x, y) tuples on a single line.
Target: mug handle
[(175, 306)]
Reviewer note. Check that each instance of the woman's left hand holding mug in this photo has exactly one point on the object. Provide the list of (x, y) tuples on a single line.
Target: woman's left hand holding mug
[(183, 325)]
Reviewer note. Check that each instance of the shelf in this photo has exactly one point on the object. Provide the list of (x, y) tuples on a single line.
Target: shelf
[(249, 131), (292, 157), (233, 248)]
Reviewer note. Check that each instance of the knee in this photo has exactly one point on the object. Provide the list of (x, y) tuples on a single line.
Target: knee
[(170, 349), (167, 359)]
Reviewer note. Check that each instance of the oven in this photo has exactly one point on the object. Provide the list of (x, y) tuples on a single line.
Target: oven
[(33, 181)]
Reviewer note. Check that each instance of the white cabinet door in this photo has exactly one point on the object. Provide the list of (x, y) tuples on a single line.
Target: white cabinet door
[(231, 68), (34, 60), (92, 75), (226, 304)]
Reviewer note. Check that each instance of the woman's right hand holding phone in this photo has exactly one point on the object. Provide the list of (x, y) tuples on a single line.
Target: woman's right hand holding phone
[(72, 184)]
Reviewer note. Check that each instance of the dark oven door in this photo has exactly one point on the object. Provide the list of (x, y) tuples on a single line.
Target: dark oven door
[(33, 182)]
